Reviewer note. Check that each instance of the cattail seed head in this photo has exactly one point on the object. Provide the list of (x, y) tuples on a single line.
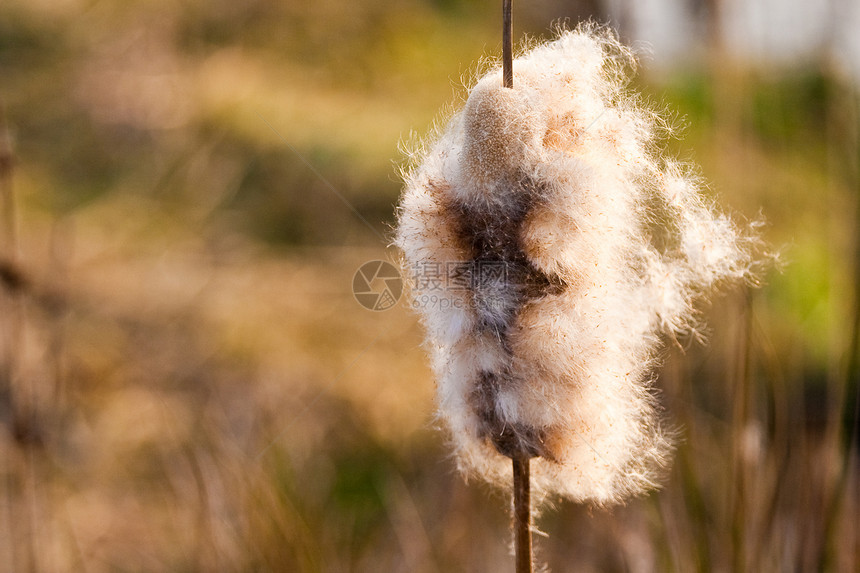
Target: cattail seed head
[(500, 131), (561, 249)]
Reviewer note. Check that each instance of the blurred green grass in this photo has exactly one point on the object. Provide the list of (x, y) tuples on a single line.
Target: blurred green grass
[(207, 395)]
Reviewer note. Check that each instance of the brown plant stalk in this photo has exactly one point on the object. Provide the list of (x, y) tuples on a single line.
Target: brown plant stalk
[(522, 498)]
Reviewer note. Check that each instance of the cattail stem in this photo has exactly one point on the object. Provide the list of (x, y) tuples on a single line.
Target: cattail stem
[(507, 45), (522, 485), (522, 515)]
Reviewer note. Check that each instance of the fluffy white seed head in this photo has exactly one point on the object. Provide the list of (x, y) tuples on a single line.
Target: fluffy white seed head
[(551, 248)]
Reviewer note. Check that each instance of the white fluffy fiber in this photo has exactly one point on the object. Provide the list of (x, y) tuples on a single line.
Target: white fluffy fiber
[(623, 236)]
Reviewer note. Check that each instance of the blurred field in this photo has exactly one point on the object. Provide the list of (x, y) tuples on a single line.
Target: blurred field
[(188, 384)]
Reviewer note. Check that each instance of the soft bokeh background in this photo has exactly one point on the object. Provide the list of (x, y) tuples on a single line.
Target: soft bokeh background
[(187, 383)]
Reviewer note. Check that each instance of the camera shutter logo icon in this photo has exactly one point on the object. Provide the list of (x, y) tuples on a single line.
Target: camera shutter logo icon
[(377, 285)]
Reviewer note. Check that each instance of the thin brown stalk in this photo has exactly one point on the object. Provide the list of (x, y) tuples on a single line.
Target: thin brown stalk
[(522, 516), (522, 485), (741, 518), (507, 44), (7, 197)]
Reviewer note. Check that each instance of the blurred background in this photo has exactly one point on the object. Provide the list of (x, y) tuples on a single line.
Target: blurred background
[(188, 384)]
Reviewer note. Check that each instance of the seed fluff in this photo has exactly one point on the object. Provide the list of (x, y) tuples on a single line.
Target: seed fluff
[(565, 249)]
